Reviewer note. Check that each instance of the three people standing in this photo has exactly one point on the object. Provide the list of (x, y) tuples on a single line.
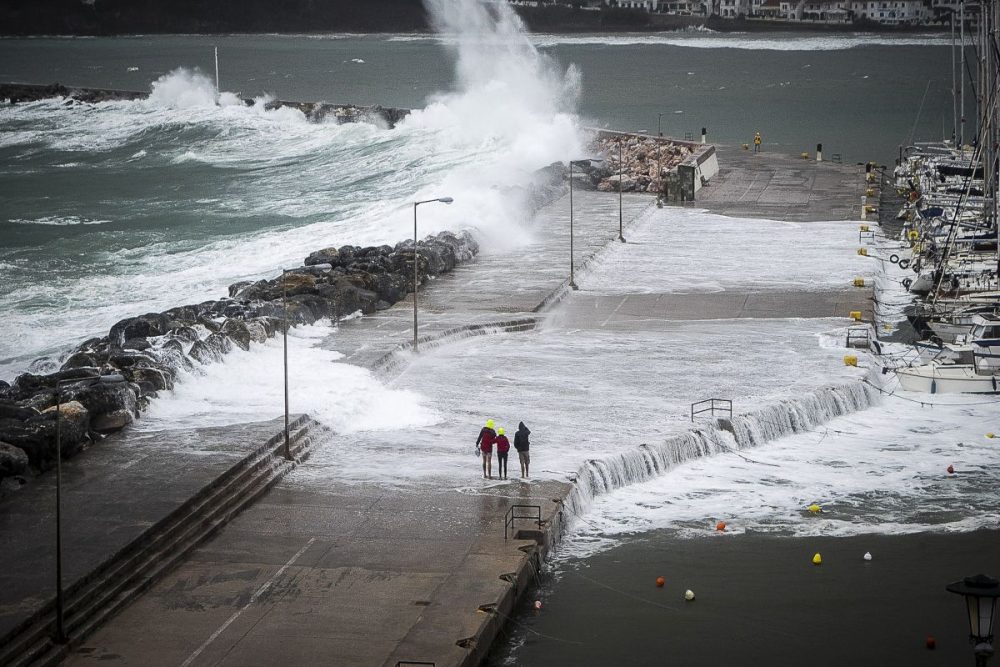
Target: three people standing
[(484, 446)]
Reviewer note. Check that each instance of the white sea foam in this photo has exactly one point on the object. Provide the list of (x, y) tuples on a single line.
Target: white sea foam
[(59, 221), (745, 253), (709, 40), (315, 179)]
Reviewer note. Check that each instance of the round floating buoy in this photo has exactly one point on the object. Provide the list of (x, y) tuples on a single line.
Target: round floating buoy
[(538, 604), (907, 282), (903, 263), (951, 470), (817, 559), (689, 595), (930, 643), (660, 581), (893, 258), (850, 360), (721, 526), (815, 509), (991, 435), (868, 555)]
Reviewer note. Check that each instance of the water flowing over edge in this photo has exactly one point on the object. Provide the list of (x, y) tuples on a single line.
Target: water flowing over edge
[(745, 431)]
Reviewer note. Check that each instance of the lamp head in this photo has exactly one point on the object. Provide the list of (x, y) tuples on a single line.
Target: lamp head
[(446, 200)]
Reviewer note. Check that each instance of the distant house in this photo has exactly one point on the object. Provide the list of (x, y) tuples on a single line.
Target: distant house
[(892, 12), (790, 9), (681, 7), (827, 10), (730, 9), (768, 9)]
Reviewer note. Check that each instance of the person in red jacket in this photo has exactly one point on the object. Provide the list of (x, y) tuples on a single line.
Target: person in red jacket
[(484, 443), (503, 446)]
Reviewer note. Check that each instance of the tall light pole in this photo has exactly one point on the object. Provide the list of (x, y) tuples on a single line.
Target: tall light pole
[(416, 277), (572, 283), (621, 179), (61, 637), (284, 336), (659, 140)]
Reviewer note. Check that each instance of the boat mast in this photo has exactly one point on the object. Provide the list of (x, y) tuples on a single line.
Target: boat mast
[(954, 90)]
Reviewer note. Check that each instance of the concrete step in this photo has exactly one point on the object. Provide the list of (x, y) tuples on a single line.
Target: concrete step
[(95, 598)]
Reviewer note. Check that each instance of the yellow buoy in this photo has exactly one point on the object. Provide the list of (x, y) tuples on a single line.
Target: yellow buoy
[(859, 282), (991, 435), (689, 595), (856, 315), (913, 235), (815, 509), (849, 360), (863, 252), (817, 559)]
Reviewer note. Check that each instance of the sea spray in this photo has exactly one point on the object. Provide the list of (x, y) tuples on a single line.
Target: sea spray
[(601, 476)]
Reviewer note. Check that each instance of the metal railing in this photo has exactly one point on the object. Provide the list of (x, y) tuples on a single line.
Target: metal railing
[(710, 405), (859, 337), (513, 514)]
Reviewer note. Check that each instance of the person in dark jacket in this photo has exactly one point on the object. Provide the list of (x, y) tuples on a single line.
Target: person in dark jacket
[(484, 444), (503, 446), (521, 445)]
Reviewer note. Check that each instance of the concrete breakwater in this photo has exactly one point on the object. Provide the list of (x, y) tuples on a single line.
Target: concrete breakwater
[(150, 351), (19, 93), (641, 163)]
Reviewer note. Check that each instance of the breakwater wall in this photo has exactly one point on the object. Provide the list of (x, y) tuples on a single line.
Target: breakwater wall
[(151, 351), (643, 163), (18, 93)]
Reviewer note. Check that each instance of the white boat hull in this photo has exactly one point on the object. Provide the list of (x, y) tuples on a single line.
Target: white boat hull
[(947, 379)]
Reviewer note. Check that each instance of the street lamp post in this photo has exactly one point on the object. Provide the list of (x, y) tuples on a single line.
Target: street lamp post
[(981, 593), (572, 283), (621, 179), (659, 140), (60, 597), (416, 277), (284, 336)]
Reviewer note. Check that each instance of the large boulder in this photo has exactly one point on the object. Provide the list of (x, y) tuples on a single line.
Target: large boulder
[(294, 283), (144, 326), (212, 349), (325, 256), (13, 460), (37, 436), (237, 332), (10, 410)]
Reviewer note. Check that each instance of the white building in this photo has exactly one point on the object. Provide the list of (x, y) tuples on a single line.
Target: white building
[(892, 12), (730, 9)]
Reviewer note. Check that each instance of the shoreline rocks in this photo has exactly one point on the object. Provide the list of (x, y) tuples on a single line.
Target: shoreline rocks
[(19, 93), (639, 158), (150, 351)]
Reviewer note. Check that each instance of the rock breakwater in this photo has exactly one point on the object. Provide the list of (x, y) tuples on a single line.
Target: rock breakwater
[(19, 93), (644, 163), (145, 354)]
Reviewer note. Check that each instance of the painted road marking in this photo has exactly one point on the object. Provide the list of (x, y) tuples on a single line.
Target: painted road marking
[(253, 598)]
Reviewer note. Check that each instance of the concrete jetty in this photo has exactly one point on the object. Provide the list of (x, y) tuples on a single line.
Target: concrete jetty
[(320, 570)]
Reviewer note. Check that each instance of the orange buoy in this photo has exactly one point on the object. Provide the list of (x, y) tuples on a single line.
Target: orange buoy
[(930, 643), (721, 526), (660, 581), (951, 470)]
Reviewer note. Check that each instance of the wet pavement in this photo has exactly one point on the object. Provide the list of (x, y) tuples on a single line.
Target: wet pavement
[(367, 574)]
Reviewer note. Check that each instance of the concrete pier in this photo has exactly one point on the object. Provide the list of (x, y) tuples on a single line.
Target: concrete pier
[(323, 571)]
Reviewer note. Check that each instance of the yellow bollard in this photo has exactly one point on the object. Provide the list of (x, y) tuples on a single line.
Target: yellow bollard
[(859, 282), (746, 147), (805, 156), (870, 192), (913, 235), (863, 228), (851, 360), (863, 252), (856, 315)]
